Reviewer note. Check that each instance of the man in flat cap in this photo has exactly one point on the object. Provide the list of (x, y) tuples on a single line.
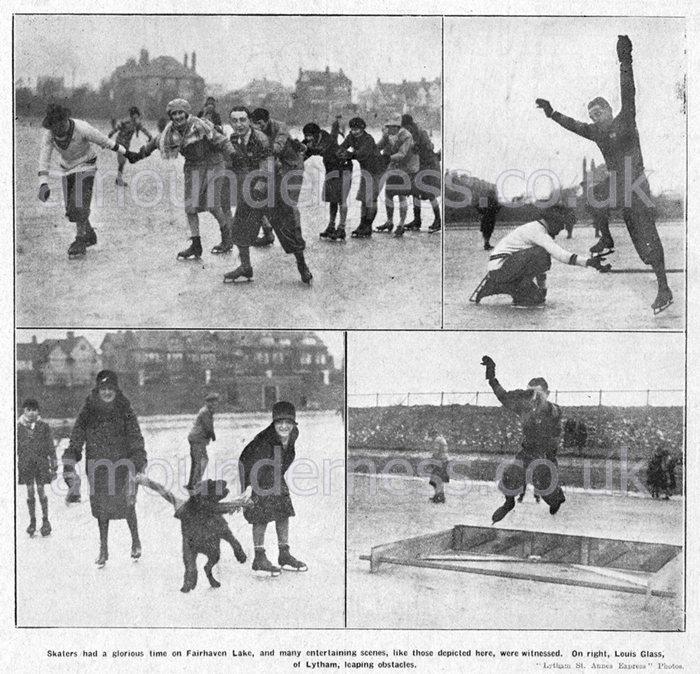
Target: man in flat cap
[(201, 433)]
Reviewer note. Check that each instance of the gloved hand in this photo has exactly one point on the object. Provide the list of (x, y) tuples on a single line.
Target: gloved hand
[(44, 192), (133, 157), (546, 106), (490, 367), (597, 262), (624, 49)]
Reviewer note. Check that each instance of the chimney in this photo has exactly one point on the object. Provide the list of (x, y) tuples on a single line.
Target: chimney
[(186, 57), (143, 59), (34, 340), (194, 61), (70, 336)]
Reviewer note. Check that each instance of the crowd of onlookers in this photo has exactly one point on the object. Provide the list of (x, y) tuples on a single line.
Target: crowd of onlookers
[(470, 429)]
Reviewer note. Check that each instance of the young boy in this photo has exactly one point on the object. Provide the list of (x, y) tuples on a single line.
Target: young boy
[(262, 466), (125, 131), (199, 436), (439, 475), (36, 461)]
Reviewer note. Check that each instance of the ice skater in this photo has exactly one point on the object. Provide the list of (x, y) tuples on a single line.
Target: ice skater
[(336, 181), (73, 140), (360, 146), (203, 148), (536, 462), (115, 452), (439, 473), (262, 466), (618, 140), (125, 131), (36, 462), (489, 212), (200, 435), (519, 263)]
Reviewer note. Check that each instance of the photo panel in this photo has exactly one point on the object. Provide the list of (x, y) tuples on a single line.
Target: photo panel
[(565, 156), (516, 481), (186, 478), (303, 173)]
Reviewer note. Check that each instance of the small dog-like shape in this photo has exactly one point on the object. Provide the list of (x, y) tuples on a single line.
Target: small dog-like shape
[(203, 526)]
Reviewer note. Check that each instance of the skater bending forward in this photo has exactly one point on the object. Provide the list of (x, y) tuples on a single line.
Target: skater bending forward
[(536, 462), (618, 140), (262, 466)]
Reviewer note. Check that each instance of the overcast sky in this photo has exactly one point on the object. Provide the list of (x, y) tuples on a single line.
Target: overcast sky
[(451, 361), (495, 68), (231, 50)]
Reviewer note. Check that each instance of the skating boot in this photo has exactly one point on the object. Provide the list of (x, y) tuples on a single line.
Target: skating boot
[(289, 563), (304, 271), (135, 551), (244, 270), (338, 234), (554, 507), (31, 504), (120, 181), (90, 237), (487, 244), (45, 527), (263, 565), (501, 512), (77, 248), (416, 223), (102, 558), (364, 231), (226, 245), (664, 299), (193, 252), (604, 245), (387, 227), (399, 231), (329, 232), (435, 227), (45, 524)]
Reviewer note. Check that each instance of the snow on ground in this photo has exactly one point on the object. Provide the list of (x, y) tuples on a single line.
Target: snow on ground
[(577, 299), (411, 598), (58, 583), (131, 277)]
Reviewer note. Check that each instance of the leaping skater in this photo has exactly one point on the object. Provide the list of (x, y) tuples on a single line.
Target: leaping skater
[(536, 462), (618, 140)]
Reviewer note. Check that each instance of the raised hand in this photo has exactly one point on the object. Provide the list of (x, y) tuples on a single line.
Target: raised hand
[(546, 106)]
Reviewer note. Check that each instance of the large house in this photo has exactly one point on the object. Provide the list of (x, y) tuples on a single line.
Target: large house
[(151, 83), (320, 95)]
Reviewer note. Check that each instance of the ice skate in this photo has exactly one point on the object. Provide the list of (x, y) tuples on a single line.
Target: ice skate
[(289, 563), (31, 529), (413, 226), (435, 227), (263, 566), (329, 232), (90, 237), (387, 227), (77, 248), (226, 245), (338, 234), (501, 512), (399, 231), (193, 252), (120, 182), (136, 551), (243, 271), (664, 299), (45, 527), (604, 245), (304, 271), (102, 558)]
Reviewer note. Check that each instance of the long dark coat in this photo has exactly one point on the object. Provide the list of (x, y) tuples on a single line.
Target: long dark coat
[(270, 491), (114, 448)]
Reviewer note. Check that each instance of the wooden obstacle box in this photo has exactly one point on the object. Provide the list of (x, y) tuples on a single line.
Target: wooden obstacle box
[(599, 563)]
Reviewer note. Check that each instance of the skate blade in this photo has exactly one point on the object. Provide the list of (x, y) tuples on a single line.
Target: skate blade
[(528, 307), (293, 569), (259, 573), (235, 280), (75, 256), (188, 259), (663, 307)]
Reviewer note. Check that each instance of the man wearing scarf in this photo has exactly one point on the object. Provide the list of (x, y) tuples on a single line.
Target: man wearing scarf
[(36, 462), (203, 148), (74, 141)]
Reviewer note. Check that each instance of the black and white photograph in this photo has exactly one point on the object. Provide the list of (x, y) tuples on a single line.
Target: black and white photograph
[(180, 478), (516, 481), (565, 158), (228, 171)]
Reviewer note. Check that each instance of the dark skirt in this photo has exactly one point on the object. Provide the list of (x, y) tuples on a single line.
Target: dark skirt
[(399, 183), (202, 189), (337, 187), (269, 509), (370, 185)]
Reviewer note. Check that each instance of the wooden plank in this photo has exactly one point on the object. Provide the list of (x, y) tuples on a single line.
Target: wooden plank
[(517, 575), (659, 559)]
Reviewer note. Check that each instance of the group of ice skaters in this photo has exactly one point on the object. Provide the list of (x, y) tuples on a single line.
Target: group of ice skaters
[(253, 165), (107, 433), (519, 262)]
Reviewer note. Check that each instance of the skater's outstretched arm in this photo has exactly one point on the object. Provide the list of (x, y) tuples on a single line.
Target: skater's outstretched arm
[(627, 89), (579, 128)]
